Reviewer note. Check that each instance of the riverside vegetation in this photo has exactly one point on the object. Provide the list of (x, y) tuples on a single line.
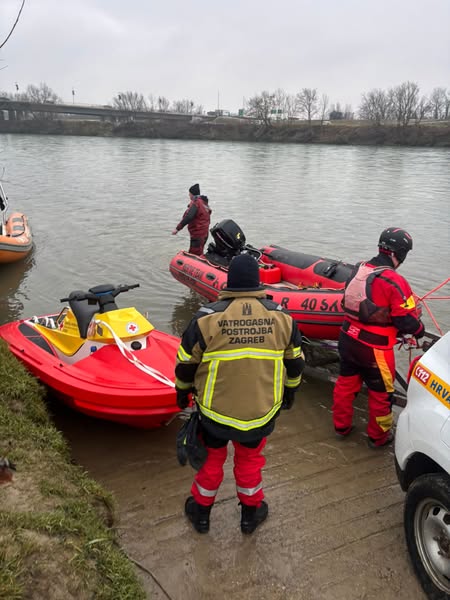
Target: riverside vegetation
[(235, 129), (57, 526), (400, 115)]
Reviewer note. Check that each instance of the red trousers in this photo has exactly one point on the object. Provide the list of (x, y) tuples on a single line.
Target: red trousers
[(376, 368), (248, 463)]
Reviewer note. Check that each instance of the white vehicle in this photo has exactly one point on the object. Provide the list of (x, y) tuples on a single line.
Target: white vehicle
[(422, 460)]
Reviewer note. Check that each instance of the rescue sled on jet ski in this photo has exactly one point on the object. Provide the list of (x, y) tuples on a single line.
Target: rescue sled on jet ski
[(310, 287), (104, 361)]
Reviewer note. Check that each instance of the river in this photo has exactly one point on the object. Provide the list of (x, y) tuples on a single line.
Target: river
[(102, 210)]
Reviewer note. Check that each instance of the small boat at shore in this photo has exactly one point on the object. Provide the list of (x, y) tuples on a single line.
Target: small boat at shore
[(309, 287), (103, 361), (15, 234)]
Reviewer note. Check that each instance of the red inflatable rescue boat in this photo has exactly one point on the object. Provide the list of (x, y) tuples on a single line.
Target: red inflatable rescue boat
[(310, 287)]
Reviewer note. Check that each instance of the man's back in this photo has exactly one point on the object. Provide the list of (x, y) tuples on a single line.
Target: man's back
[(245, 338)]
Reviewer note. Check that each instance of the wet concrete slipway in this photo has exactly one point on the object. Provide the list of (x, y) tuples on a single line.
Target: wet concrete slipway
[(334, 530)]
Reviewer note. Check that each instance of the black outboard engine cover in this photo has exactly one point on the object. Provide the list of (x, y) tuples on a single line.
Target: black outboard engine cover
[(229, 239)]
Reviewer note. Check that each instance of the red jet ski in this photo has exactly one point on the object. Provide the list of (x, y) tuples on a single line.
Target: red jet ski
[(105, 361)]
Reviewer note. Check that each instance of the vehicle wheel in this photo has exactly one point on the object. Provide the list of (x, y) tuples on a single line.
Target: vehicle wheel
[(427, 530)]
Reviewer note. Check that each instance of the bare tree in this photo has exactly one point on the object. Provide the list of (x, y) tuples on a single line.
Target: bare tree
[(439, 101), (184, 106), (39, 94), (261, 107), (281, 99), (307, 102), (323, 107), (132, 101), (375, 106), (404, 99), (423, 109), (152, 101), (163, 104), (447, 106), (291, 106)]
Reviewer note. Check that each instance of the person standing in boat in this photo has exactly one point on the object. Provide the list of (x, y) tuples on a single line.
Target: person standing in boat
[(233, 355), (197, 217), (379, 305)]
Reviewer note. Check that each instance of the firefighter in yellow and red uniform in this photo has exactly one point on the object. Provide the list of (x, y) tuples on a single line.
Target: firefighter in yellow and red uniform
[(379, 305), (243, 356)]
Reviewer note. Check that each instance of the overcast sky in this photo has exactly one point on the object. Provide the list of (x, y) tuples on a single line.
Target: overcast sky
[(222, 52)]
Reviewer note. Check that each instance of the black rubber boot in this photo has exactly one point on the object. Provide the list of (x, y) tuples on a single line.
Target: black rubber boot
[(251, 516), (374, 444), (342, 434), (197, 514)]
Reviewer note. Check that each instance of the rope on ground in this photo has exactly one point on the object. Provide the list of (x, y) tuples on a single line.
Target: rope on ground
[(144, 568)]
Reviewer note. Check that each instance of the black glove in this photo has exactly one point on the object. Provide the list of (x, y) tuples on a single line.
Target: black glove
[(419, 334), (183, 398), (288, 398)]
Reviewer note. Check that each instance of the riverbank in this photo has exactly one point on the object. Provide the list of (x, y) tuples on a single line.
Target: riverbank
[(334, 531), (58, 535), (233, 129), (335, 525)]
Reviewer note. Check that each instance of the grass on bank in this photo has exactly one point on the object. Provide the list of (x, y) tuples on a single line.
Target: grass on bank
[(57, 536)]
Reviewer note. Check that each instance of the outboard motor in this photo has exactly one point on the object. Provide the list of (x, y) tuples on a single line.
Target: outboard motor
[(229, 241)]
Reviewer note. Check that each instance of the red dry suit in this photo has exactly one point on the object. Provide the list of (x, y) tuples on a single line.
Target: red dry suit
[(378, 304), (197, 217)]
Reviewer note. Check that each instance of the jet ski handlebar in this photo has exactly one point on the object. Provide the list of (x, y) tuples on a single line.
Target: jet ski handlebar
[(95, 293)]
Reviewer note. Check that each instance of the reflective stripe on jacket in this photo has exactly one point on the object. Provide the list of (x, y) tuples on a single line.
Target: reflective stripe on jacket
[(235, 352)]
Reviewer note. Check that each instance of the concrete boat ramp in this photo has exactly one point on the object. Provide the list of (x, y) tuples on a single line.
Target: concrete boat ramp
[(334, 531)]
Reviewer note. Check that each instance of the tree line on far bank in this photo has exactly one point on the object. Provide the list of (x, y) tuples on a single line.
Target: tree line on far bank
[(401, 104)]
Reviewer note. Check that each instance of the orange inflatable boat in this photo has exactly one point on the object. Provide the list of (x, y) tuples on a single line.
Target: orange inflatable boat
[(15, 233)]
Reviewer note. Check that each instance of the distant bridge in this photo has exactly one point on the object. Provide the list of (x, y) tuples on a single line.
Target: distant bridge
[(18, 110)]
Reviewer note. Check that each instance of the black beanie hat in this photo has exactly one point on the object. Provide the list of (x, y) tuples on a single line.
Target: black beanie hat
[(195, 189), (243, 274)]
